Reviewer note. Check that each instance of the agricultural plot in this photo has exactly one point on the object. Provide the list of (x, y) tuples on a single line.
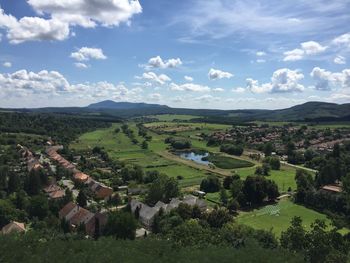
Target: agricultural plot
[(277, 217), (174, 117)]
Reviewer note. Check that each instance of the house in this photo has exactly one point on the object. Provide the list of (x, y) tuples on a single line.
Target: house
[(80, 177), (77, 216), (55, 192), (100, 190), (13, 227), (147, 213)]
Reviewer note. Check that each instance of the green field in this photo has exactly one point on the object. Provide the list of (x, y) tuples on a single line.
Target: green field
[(277, 217), (284, 177), (225, 162), (172, 117), (119, 146)]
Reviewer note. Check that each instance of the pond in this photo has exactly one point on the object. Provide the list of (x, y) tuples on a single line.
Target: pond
[(200, 158)]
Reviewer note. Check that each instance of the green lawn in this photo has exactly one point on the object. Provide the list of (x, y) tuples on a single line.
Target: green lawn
[(172, 117), (225, 162), (277, 217), (283, 177)]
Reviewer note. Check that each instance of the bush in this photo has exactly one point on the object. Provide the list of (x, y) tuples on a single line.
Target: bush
[(232, 149)]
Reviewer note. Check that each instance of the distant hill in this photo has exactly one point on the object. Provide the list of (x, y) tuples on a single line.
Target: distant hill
[(310, 111), (110, 104)]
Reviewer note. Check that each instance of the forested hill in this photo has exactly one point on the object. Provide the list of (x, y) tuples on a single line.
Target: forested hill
[(310, 111)]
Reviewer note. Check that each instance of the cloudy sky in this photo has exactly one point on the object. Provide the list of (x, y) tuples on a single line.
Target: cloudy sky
[(225, 54)]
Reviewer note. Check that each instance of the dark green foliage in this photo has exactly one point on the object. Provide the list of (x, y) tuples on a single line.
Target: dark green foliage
[(274, 162), (162, 189), (257, 188), (38, 207), (268, 149), (211, 184), (219, 217), (82, 199), (62, 128), (121, 224), (178, 144), (232, 149)]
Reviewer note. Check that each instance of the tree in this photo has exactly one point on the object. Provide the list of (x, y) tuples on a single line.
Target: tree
[(294, 238), (14, 183), (228, 180), (162, 189), (232, 149), (254, 189), (7, 212), (211, 184), (223, 196), (4, 173), (144, 145), (82, 199), (39, 207), (268, 149), (218, 217), (33, 183), (274, 162), (121, 224)]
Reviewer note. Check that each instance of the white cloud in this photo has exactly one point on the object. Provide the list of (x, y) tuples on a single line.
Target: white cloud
[(7, 64), (87, 53), (158, 62), (151, 76), (343, 40), (31, 82), (307, 49), (218, 90), (218, 74), (312, 48), (260, 54), (188, 78), (207, 98), (339, 60), (326, 80), (189, 87), (63, 14), (294, 55), (260, 61), (32, 28), (238, 90), (155, 97), (87, 13), (81, 65), (282, 81)]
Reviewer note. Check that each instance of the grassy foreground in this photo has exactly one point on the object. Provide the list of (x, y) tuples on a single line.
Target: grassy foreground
[(277, 217)]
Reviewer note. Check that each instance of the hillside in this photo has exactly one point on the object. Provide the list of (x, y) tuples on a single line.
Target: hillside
[(109, 104), (310, 111)]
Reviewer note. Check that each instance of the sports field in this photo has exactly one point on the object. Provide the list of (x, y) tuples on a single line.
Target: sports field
[(277, 217)]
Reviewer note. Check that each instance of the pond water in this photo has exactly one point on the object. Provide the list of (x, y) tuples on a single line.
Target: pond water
[(196, 157)]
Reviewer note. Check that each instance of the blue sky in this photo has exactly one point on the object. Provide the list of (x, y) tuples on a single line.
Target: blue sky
[(187, 53)]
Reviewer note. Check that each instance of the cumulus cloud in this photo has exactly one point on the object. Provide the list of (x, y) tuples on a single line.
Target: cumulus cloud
[(218, 90), (307, 49), (339, 60), (189, 87), (32, 28), (326, 80), (260, 54), (31, 82), (151, 76), (218, 74), (282, 81), (61, 15), (238, 90), (25, 83), (207, 98), (158, 62), (188, 78), (7, 64), (87, 53), (81, 65), (343, 40), (155, 97)]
